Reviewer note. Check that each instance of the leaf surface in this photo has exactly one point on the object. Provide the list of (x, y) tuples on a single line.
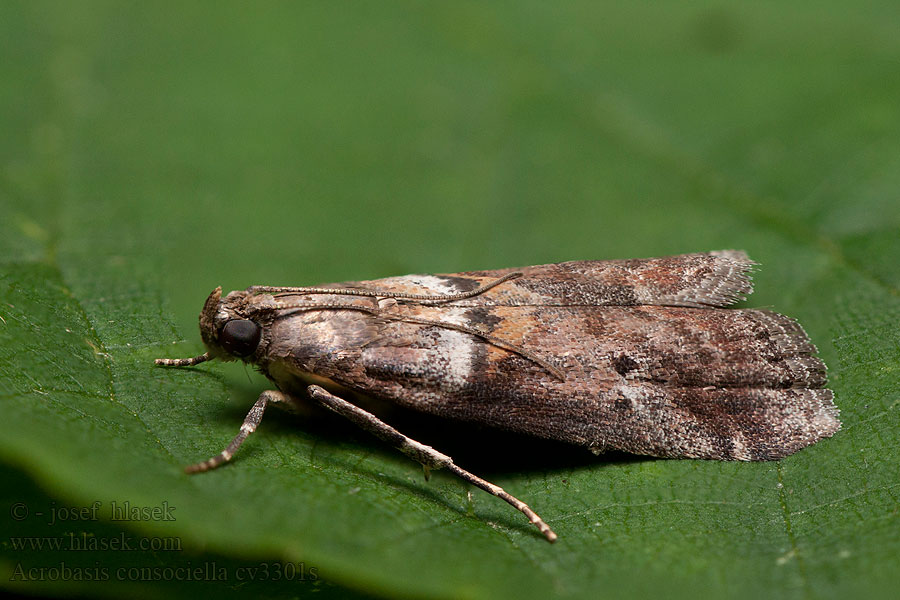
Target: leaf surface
[(151, 152)]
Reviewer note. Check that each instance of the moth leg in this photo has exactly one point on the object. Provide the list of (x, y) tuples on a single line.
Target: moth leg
[(251, 421), (426, 455)]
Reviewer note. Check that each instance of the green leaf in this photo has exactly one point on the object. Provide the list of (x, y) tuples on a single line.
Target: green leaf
[(151, 152)]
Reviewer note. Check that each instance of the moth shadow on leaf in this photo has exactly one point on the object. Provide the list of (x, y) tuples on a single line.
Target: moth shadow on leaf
[(490, 452)]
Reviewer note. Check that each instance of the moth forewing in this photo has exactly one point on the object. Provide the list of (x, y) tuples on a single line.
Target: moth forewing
[(633, 355)]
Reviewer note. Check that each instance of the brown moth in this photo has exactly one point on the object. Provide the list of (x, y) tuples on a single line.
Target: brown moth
[(631, 355)]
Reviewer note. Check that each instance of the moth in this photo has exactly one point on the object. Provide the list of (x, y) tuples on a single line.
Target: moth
[(631, 355)]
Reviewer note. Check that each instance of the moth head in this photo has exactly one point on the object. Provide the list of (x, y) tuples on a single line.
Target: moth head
[(226, 332)]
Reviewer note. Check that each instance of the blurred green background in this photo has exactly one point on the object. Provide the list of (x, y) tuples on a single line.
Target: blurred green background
[(152, 151)]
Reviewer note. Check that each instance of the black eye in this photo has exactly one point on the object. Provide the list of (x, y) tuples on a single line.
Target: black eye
[(240, 337)]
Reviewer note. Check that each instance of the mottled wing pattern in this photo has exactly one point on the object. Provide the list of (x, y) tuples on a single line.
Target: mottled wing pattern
[(700, 280), (725, 384), (646, 368)]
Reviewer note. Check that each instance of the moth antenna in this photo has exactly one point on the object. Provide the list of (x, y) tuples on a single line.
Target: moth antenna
[(183, 362), (462, 295), (426, 298), (508, 346), (310, 306)]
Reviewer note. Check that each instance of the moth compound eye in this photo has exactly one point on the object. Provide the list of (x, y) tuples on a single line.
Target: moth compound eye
[(240, 337)]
